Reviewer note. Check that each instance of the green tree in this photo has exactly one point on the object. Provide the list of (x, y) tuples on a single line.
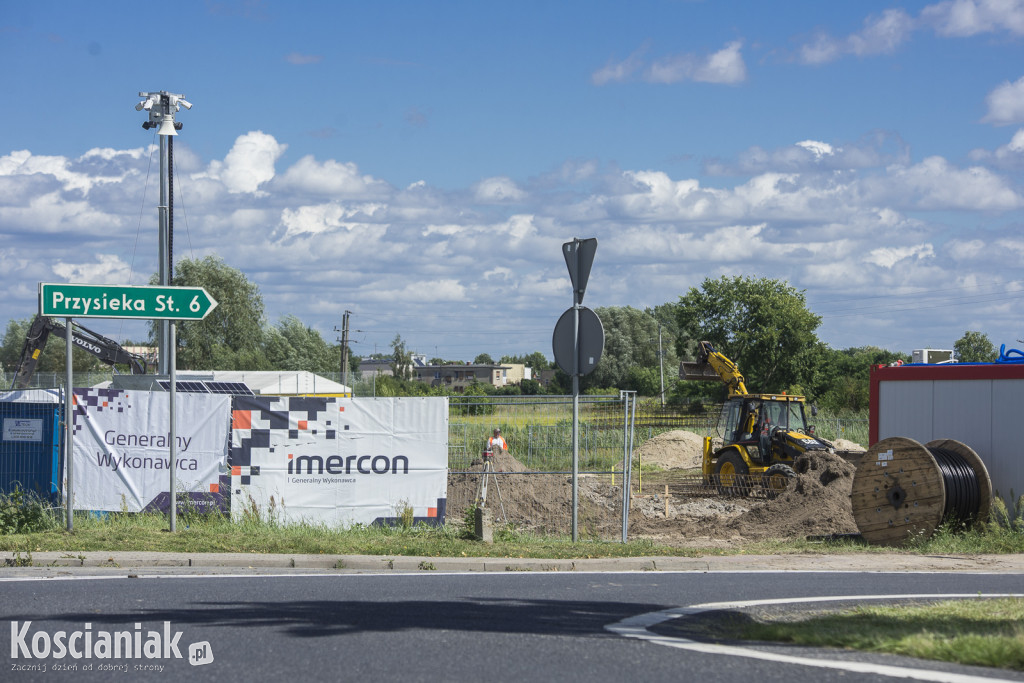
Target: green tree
[(840, 380), (483, 359), (536, 360), (530, 387), (401, 359), (975, 347), (763, 325), (293, 346), (630, 343), (231, 336)]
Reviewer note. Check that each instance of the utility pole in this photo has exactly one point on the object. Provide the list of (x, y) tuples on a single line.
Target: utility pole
[(661, 359), (344, 345)]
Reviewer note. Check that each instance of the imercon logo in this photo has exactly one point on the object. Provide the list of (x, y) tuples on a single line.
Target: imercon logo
[(336, 464)]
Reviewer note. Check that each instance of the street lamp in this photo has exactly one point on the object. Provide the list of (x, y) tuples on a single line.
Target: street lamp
[(162, 106)]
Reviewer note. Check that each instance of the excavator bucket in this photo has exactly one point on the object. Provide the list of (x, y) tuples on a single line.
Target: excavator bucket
[(699, 371)]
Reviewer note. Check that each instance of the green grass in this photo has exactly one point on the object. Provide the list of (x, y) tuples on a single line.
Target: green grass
[(215, 533), (212, 534), (982, 632)]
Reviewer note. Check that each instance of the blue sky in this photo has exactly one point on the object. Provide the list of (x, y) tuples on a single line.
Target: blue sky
[(420, 164)]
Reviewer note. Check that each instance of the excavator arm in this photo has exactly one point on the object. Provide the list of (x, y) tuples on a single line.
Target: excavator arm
[(107, 350), (712, 366)]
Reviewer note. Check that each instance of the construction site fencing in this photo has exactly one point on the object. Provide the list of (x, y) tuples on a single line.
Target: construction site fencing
[(530, 488)]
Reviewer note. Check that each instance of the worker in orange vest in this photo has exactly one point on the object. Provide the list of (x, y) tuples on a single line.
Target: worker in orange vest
[(495, 443)]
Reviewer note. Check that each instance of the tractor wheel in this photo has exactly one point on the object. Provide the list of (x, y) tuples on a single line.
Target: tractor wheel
[(777, 478), (732, 474)]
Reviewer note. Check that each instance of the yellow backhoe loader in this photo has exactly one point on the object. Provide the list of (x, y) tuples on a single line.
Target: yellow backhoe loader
[(759, 435)]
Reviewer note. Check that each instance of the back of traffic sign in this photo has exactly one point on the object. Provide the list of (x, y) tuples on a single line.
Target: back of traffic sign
[(579, 257), (591, 341)]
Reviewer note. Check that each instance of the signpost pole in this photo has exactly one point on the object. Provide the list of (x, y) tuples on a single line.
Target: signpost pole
[(576, 407), (172, 436), (69, 418), (587, 342)]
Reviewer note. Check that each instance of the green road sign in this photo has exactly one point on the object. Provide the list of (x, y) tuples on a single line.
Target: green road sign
[(123, 301)]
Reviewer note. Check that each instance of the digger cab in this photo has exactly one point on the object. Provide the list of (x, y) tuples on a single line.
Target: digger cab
[(748, 420)]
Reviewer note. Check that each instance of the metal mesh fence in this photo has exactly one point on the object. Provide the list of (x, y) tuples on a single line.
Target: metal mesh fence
[(531, 487)]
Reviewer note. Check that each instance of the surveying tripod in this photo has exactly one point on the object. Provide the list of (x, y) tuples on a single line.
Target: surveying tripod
[(481, 491)]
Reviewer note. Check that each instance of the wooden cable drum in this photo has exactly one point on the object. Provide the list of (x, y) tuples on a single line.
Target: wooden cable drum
[(902, 489)]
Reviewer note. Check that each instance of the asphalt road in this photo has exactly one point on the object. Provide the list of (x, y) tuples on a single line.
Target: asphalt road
[(435, 626)]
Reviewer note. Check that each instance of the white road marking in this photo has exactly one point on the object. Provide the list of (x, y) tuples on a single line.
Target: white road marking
[(636, 627)]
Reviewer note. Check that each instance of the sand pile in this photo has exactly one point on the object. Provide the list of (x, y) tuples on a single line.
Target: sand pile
[(678, 449)]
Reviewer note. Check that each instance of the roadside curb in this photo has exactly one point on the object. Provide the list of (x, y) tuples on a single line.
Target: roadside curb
[(890, 562)]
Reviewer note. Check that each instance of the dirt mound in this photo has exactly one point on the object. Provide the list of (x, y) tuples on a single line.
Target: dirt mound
[(817, 503), (678, 449), (847, 445)]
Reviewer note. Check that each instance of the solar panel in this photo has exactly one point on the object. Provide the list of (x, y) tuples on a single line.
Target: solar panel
[(209, 387), (189, 386), (233, 388)]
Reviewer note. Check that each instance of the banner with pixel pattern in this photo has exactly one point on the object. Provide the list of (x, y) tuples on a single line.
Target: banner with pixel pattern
[(339, 461), (122, 453)]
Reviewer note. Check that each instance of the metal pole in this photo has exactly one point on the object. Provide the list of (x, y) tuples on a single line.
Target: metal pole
[(629, 470), (661, 358), (172, 436), (576, 403), (69, 418), (625, 462), (164, 272), (344, 347)]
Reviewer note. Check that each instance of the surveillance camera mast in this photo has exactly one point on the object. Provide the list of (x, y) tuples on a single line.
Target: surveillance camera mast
[(163, 303)]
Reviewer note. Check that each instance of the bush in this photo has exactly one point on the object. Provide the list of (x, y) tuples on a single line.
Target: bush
[(23, 512)]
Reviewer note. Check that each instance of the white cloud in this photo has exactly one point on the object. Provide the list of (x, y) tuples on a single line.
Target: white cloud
[(1010, 155), (878, 148), (887, 257), (880, 35), (249, 164), (1006, 103), (724, 66), (965, 250), (82, 174), (618, 72), (106, 269), (331, 178), (935, 184), (322, 236), (818, 149), (328, 218), (884, 33), (962, 18), (497, 190)]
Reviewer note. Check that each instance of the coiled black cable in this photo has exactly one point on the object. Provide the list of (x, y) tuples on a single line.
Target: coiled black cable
[(963, 491)]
